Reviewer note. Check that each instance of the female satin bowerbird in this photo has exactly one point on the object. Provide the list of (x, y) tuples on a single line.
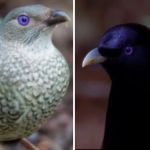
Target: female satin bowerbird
[(34, 75)]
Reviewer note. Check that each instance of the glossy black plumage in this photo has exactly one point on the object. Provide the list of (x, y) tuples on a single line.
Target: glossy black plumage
[(124, 52), (128, 113)]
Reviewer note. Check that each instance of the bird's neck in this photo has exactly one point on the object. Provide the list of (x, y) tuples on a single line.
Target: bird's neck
[(42, 43), (128, 111)]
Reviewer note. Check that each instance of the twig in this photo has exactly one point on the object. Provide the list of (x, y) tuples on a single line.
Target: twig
[(28, 145)]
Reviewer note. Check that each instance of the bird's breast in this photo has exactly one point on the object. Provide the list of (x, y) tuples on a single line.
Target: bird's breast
[(30, 89)]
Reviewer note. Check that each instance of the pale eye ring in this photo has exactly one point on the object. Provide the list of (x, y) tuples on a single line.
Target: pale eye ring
[(128, 50), (23, 20)]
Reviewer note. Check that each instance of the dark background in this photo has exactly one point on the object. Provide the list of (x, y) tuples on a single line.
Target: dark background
[(93, 18), (56, 134)]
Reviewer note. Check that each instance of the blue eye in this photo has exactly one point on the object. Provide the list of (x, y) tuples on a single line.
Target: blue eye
[(128, 50), (23, 20)]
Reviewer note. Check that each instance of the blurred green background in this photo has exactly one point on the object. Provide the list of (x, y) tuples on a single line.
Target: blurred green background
[(93, 18), (56, 134)]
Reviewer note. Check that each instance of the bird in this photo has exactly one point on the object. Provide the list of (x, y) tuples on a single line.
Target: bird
[(34, 75), (124, 53)]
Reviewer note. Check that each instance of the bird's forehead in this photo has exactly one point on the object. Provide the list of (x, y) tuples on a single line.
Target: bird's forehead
[(116, 38), (32, 10)]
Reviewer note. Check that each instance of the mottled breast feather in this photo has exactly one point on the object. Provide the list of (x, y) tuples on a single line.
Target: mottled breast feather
[(30, 88)]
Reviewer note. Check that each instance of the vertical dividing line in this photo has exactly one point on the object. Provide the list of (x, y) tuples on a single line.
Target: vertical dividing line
[(73, 74)]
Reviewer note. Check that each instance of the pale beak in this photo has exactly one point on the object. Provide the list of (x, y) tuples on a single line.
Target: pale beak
[(93, 57)]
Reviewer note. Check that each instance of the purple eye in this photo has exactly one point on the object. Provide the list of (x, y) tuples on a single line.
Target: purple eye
[(128, 50), (23, 20)]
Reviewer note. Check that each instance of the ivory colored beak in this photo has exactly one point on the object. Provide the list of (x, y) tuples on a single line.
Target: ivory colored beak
[(93, 57)]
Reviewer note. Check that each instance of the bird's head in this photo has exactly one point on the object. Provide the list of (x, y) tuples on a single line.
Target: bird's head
[(123, 47), (25, 24)]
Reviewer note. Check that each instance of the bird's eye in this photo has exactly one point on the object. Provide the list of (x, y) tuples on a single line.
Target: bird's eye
[(128, 50), (23, 20)]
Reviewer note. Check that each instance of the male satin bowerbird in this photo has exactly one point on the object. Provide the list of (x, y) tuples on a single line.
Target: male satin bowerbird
[(124, 52), (34, 75)]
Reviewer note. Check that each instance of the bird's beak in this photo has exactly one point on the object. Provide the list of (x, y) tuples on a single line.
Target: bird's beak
[(57, 17), (93, 57)]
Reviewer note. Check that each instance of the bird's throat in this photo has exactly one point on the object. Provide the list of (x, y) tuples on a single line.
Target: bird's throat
[(127, 121)]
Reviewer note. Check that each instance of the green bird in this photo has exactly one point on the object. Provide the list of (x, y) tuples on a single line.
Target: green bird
[(34, 75)]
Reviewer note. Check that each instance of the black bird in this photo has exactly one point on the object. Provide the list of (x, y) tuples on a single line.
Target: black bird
[(124, 52)]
